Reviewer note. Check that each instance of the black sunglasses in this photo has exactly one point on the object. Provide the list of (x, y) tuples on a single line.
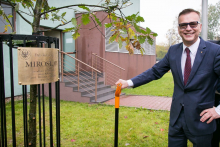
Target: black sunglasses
[(193, 24)]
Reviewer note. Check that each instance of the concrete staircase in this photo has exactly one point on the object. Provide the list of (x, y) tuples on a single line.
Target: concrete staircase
[(87, 89)]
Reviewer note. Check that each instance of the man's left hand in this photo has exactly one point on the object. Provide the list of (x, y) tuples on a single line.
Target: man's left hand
[(209, 114)]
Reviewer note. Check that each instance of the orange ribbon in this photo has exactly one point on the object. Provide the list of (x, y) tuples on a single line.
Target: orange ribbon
[(117, 95)]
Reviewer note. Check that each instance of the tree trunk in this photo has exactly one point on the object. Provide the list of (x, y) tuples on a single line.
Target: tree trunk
[(32, 135)]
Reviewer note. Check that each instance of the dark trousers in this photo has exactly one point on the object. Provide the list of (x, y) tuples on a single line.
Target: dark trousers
[(179, 134), (216, 134)]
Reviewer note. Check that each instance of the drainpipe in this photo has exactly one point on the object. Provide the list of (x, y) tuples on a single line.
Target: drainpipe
[(205, 19)]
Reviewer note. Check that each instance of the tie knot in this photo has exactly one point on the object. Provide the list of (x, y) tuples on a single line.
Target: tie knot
[(187, 51)]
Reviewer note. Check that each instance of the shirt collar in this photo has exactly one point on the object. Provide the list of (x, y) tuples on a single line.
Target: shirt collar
[(193, 48)]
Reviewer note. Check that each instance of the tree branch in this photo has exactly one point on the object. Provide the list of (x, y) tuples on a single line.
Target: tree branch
[(100, 22), (74, 6), (26, 13), (19, 13), (96, 26)]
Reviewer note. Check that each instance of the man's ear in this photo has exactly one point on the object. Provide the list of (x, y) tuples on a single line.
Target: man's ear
[(200, 27)]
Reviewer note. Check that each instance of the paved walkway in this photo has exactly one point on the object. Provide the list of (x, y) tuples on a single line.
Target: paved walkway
[(149, 102)]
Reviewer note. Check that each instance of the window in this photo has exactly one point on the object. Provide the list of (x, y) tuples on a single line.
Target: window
[(8, 11), (114, 47)]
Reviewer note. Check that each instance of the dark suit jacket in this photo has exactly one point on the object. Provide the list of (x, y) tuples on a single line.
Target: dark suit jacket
[(199, 92)]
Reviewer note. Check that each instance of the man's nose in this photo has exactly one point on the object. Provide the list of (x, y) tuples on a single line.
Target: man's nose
[(188, 27)]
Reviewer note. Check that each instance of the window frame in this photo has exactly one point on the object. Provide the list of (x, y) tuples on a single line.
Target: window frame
[(13, 18)]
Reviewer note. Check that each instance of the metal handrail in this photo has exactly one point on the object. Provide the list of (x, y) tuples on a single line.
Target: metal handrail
[(80, 61), (108, 61), (112, 72), (78, 73)]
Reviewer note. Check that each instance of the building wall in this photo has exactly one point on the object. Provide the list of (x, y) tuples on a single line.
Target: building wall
[(94, 42), (86, 47)]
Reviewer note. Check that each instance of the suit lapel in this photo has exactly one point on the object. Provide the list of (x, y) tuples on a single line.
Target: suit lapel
[(178, 62), (198, 59)]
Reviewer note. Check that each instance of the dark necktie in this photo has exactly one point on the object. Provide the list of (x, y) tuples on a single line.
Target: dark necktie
[(187, 66)]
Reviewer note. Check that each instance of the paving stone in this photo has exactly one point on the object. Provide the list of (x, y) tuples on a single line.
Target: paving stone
[(149, 102)]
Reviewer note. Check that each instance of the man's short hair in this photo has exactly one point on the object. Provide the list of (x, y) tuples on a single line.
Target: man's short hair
[(187, 11)]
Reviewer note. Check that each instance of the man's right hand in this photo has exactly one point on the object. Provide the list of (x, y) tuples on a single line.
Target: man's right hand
[(123, 82)]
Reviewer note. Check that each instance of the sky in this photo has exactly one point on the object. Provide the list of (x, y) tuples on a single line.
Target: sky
[(159, 15)]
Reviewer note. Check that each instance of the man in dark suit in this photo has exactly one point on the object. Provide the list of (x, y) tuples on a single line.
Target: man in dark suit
[(195, 66), (216, 134)]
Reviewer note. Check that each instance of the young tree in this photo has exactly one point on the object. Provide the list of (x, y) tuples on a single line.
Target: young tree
[(214, 21), (42, 9), (172, 34)]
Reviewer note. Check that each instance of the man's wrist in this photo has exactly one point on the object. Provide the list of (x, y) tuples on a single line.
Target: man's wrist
[(130, 83), (217, 109)]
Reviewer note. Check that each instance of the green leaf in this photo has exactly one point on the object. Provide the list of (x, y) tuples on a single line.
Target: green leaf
[(142, 50), (143, 31), (148, 31), (16, 7), (69, 29), (112, 38), (124, 30), (142, 39), (139, 19), (85, 8), (74, 22), (113, 17), (108, 25), (97, 20), (129, 18), (76, 35), (150, 40), (85, 19), (63, 14), (120, 42), (47, 16), (137, 28), (155, 34)]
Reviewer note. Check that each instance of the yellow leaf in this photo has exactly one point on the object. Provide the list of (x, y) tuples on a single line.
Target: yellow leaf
[(131, 33), (118, 24), (130, 48), (128, 25), (9, 26), (62, 22), (6, 29), (123, 39)]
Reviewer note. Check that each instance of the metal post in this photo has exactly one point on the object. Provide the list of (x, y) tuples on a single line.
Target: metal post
[(78, 75), (12, 92), (117, 100), (50, 113), (58, 112), (92, 66), (44, 128), (116, 126), (57, 88), (2, 100), (39, 110), (205, 19), (105, 73), (24, 88), (96, 86), (50, 107)]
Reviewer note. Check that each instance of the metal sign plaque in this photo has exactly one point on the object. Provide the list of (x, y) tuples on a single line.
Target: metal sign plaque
[(37, 65)]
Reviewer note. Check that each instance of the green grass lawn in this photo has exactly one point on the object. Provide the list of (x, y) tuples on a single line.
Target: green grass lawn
[(92, 125), (161, 87)]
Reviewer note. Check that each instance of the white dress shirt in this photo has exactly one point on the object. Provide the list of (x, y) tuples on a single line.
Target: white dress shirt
[(193, 50)]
